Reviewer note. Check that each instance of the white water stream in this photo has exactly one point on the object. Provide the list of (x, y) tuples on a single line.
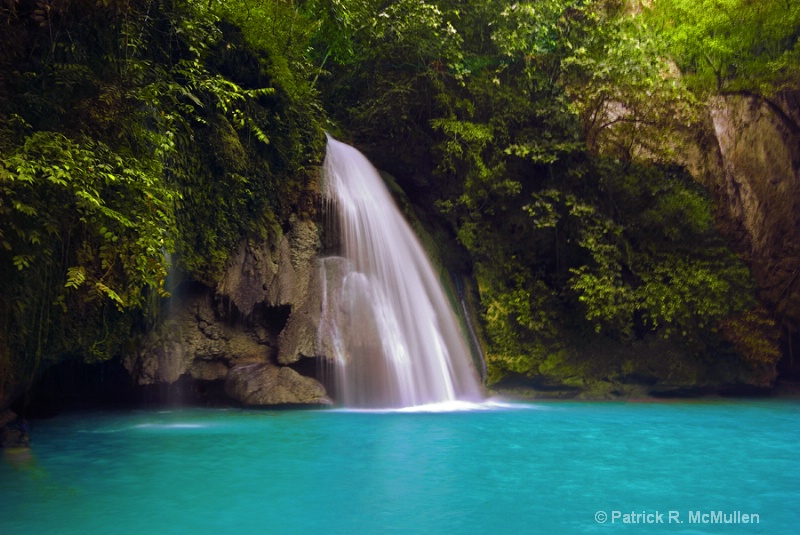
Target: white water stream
[(393, 334)]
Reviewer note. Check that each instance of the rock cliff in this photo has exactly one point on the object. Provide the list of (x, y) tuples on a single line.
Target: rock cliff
[(249, 329), (748, 155)]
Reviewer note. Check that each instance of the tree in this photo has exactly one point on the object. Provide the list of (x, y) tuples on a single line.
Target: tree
[(535, 114), (732, 45), (135, 136)]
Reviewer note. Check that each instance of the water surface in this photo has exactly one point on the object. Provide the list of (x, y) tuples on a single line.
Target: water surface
[(535, 468)]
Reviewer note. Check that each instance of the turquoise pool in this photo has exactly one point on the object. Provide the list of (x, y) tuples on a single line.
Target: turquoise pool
[(554, 467)]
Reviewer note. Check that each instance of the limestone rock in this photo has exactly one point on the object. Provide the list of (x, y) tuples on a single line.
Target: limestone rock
[(761, 164), (195, 340), (281, 271), (298, 338), (267, 384), (13, 432), (13, 438), (747, 153), (759, 186), (208, 370), (274, 272), (265, 310)]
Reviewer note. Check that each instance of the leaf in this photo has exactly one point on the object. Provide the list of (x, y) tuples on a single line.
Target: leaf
[(114, 296), (22, 261), (191, 97), (75, 277)]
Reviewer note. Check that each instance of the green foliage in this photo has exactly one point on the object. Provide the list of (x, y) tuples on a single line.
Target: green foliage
[(513, 105), (114, 214), (275, 37), (523, 321), (621, 82), (140, 130), (85, 231), (134, 132), (733, 45), (383, 64), (660, 262)]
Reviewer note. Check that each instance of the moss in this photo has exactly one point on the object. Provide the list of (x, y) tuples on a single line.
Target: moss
[(226, 145)]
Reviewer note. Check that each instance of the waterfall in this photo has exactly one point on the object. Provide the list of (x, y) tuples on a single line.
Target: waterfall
[(386, 320)]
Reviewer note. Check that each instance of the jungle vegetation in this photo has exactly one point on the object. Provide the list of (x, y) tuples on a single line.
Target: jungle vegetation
[(139, 136)]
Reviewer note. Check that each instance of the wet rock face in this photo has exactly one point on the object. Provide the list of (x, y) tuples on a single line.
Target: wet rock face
[(246, 332), (195, 339), (747, 154), (758, 184), (274, 272), (760, 159)]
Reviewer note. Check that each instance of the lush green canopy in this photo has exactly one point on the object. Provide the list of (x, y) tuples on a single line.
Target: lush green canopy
[(140, 134), (732, 45), (543, 129)]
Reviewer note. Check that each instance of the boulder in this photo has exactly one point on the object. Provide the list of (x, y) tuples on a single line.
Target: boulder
[(267, 384)]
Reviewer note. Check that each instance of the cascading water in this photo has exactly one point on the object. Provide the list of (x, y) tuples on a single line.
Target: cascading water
[(395, 339)]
